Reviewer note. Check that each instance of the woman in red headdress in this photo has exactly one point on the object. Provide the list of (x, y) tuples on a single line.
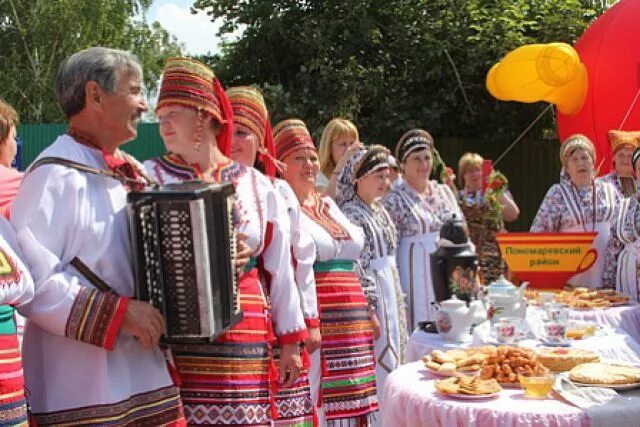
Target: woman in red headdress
[(233, 381), (253, 146)]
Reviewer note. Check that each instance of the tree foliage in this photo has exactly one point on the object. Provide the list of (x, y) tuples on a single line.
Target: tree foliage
[(391, 64), (36, 35)]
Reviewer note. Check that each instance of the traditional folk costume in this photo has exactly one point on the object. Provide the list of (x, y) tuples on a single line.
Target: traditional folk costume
[(479, 215), (418, 220), (566, 208), (379, 277), (343, 371), (622, 266), (234, 380), (16, 289), (79, 369), (625, 185), (249, 110)]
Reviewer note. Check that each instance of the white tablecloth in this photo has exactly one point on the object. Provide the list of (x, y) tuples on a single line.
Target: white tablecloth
[(614, 346), (410, 400), (421, 343), (611, 317)]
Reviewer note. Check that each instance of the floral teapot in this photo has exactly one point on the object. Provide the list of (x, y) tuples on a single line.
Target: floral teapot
[(454, 319), (504, 299)]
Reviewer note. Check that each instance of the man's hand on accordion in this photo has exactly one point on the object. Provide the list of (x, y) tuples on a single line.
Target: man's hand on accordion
[(290, 364), (143, 322), (243, 252)]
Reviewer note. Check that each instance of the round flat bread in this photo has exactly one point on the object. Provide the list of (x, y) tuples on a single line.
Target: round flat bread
[(604, 373)]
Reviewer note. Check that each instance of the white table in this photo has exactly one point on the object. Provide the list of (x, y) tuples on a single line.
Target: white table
[(410, 400), (614, 346)]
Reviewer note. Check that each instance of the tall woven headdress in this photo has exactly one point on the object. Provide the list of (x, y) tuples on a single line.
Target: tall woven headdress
[(250, 110), (191, 83)]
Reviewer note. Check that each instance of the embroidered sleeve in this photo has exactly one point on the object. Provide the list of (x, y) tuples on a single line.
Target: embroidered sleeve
[(363, 268), (623, 231), (451, 201), (393, 204), (303, 253), (288, 320), (96, 317), (614, 246), (548, 218), (16, 285), (54, 198)]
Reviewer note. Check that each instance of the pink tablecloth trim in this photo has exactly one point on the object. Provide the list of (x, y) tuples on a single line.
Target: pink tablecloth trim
[(410, 400)]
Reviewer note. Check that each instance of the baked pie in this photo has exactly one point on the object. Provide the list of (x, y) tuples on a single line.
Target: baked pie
[(605, 373), (563, 359)]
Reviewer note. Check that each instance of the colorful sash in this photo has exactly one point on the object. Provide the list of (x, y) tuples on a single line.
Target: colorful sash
[(13, 406)]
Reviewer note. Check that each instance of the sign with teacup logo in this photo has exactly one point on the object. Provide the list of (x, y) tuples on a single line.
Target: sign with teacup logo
[(547, 260)]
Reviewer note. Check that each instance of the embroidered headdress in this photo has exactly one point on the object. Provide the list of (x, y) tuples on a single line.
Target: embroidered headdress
[(576, 142), (411, 141), (620, 139), (361, 163), (191, 83), (291, 135), (250, 110)]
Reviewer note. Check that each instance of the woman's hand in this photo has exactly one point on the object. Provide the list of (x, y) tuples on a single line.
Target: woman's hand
[(375, 324), (313, 341), (243, 253), (510, 210), (347, 155), (290, 364)]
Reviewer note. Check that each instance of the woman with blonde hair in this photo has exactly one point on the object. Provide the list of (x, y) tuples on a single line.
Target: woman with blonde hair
[(486, 206), (339, 138), (579, 203)]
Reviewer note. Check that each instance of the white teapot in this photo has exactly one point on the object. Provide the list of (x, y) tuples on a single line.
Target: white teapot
[(454, 319), (504, 299)]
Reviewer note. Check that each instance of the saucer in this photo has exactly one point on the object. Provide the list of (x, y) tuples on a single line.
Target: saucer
[(547, 343)]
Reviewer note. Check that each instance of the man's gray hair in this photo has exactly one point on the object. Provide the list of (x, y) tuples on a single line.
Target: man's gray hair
[(99, 64)]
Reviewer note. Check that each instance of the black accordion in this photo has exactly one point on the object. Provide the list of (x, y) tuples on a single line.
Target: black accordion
[(184, 247)]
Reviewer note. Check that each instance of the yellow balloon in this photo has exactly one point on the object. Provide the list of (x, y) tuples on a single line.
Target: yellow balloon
[(541, 72)]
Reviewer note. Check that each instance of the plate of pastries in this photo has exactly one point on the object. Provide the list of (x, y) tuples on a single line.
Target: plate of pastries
[(452, 362), (589, 299), (468, 387), (617, 376), (507, 363)]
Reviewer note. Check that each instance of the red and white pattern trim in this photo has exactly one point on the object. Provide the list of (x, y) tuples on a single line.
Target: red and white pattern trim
[(96, 317)]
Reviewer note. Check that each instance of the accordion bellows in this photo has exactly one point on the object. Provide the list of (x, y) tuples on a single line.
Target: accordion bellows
[(184, 247)]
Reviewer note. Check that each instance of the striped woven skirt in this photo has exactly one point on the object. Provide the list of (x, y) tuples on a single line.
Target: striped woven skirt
[(348, 385), (230, 382), (13, 406), (295, 407)]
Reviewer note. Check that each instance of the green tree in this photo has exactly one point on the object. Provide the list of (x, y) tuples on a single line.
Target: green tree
[(391, 64), (37, 35)]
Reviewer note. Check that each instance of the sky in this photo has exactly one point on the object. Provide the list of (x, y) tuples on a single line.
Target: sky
[(196, 32)]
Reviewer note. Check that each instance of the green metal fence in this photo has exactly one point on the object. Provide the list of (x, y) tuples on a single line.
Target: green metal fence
[(532, 166), (37, 137)]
